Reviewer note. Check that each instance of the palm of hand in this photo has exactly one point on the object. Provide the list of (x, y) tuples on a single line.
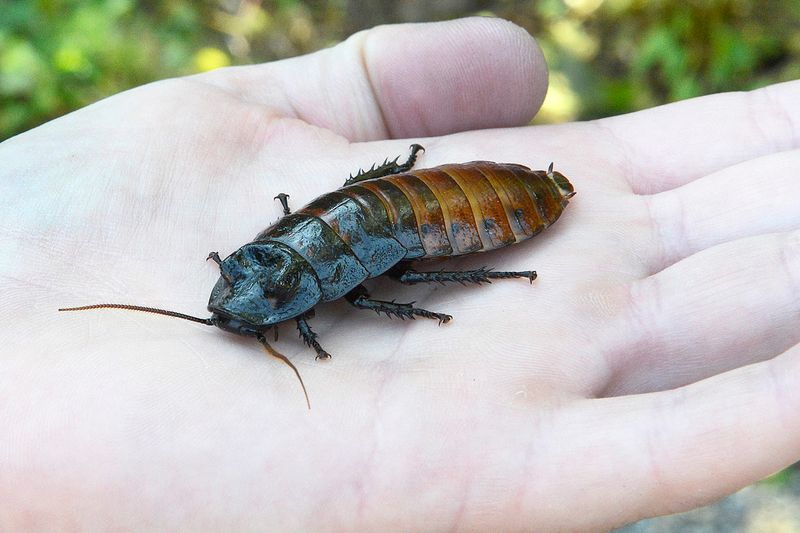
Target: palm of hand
[(492, 419)]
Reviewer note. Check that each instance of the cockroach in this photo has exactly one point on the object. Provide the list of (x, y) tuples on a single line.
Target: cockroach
[(378, 222)]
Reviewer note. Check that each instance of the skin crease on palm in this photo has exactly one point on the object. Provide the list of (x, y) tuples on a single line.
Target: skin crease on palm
[(652, 367)]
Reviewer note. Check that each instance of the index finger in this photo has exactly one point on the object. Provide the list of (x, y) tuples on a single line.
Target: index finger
[(668, 146)]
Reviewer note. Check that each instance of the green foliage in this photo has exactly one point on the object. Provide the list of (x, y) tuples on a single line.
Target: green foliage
[(58, 55), (607, 56), (647, 53), (785, 478)]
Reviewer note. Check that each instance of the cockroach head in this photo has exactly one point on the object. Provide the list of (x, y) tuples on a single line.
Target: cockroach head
[(262, 284)]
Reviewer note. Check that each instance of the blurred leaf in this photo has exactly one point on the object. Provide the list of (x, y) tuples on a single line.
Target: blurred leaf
[(561, 103), (782, 478), (71, 59), (20, 67), (609, 56), (210, 58)]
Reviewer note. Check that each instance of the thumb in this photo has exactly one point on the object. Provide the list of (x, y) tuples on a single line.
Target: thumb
[(409, 80)]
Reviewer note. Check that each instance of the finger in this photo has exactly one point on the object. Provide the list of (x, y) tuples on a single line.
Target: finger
[(410, 80), (755, 197), (676, 450), (668, 146), (721, 308)]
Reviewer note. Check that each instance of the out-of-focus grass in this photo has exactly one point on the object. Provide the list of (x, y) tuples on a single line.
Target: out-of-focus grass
[(606, 56)]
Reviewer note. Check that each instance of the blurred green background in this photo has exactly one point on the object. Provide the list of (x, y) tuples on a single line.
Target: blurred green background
[(606, 56)]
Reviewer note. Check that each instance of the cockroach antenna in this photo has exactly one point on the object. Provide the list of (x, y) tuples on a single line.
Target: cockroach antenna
[(277, 355), (206, 321)]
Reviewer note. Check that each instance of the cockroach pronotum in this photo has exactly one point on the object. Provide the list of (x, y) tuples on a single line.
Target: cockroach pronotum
[(377, 223)]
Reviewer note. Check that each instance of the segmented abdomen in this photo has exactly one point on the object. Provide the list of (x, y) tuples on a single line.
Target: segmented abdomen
[(463, 208), (362, 230)]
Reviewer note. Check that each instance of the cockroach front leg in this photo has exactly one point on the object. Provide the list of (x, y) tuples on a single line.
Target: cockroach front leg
[(482, 275), (359, 297), (214, 256), (283, 198), (309, 337), (387, 168)]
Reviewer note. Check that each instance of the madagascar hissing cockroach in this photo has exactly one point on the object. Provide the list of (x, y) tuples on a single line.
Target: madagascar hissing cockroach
[(377, 223)]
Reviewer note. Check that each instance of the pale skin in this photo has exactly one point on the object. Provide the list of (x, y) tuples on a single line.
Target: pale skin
[(653, 366)]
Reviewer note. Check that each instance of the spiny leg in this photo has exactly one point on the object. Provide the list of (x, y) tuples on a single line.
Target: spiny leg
[(309, 337), (214, 256), (359, 297), (387, 168), (283, 199), (482, 275)]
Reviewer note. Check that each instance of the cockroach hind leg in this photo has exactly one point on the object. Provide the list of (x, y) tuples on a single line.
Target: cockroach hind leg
[(415, 149), (388, 168), (479, 276), (283, 198)]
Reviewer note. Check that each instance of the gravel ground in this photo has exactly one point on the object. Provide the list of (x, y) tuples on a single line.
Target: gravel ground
[(772, 506)]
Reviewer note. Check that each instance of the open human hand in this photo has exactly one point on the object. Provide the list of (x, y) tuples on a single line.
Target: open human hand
[(651, 368)]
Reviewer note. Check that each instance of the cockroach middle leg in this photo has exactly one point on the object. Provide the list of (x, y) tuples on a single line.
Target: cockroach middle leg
[(283, 198), (387, 168), (481, 275), (359, 297), (309, 337)]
